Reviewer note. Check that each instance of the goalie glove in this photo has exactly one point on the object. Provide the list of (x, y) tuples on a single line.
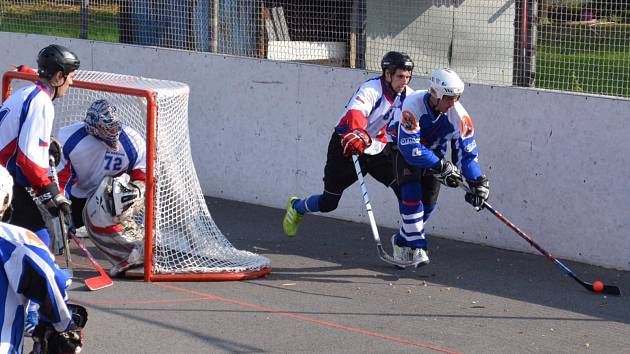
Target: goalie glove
[(128, 198), (479, 191), (447, 174), (355, 142)]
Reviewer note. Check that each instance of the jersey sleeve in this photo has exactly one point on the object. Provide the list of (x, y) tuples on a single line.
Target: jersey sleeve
[(464, 147), (138, 163), (33, 273), (410, 141), (33, 142), (357, 110)]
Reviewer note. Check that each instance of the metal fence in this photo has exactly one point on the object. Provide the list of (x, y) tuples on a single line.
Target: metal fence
[(571, 45)]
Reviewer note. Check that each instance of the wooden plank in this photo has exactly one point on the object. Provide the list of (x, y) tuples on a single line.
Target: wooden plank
[(271, 31), (281, 24)]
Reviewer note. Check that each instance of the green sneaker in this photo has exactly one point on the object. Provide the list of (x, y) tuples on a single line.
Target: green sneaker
[(292, 218)]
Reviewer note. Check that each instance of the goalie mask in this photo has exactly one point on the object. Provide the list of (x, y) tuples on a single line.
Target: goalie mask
[(102, 122), (116, 195)]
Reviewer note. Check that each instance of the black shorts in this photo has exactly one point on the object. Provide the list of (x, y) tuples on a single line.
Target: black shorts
[(340, 174), (406, 173), (25, 212)]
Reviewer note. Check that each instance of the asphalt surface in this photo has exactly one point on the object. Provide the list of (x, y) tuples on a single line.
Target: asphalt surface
[(328, 292)]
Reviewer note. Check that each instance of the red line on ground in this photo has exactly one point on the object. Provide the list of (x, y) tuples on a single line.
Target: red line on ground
[(309, 319), (143, 302)]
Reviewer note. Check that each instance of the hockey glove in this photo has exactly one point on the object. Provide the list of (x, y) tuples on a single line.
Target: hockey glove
[(479, 191), (54, 150), (54, 201), (48, 341), (355, 142), (447, 174)]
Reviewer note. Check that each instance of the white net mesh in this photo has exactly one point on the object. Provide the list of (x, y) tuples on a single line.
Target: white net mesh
[(185, 237)]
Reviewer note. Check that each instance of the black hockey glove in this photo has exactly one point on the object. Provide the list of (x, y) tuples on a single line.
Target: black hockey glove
[(54, 201), (479, 191), (48, 341), (447, 174), (55, 150)]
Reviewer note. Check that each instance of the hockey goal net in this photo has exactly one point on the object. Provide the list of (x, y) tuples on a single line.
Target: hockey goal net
[(182, 242)]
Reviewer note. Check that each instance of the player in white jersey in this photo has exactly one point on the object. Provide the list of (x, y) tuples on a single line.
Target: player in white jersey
[(26, 121), (94, 151), (29, 273), (428, 122), (360, 130)]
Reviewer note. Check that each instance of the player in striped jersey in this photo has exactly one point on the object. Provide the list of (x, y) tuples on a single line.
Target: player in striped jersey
[(361, 131), (94, 151), (29, 272), (430, 121)]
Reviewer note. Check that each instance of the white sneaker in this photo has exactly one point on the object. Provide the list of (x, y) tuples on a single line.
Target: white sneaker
[(418, 256)]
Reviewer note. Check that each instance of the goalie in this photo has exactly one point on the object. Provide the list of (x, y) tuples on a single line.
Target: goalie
[(102, 171), (29, 273)]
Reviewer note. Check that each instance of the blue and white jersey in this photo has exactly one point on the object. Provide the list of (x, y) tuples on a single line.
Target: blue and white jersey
[(28, 273), (421, 136), (87, 160)]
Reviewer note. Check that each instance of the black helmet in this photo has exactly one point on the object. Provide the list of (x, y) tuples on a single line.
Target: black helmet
[(56, 58), (396, 60)]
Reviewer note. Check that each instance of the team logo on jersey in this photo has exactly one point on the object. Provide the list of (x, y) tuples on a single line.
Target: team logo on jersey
[(466, 127), (43, 143), (409, 141), (409, 122)]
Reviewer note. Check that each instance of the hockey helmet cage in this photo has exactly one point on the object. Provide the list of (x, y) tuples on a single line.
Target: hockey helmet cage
[(102, 122)]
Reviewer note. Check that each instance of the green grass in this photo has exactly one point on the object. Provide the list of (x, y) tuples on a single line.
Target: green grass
[(583, 60), (58, 20)]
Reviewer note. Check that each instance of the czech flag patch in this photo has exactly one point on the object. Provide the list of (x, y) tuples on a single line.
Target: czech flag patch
[(43, 143)]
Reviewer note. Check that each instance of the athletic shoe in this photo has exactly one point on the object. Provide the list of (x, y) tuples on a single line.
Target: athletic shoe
[(32, 318), (292, 218), (418, 256)]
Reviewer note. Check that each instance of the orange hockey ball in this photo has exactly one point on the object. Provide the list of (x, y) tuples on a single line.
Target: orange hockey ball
[(598, 286)]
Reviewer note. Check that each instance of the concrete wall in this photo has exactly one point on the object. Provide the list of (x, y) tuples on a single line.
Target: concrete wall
[(474, 37), (557, 162)]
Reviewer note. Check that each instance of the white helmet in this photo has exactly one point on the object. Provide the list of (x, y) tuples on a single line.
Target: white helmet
[(6, 189), (445, 82)]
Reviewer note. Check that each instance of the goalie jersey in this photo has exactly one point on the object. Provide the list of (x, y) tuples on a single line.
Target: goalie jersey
[(371, 108), (29, 272), (422, 138), (86, 160)]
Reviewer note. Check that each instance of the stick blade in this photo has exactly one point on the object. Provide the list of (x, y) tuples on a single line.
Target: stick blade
[(97, 283), (611, 290)]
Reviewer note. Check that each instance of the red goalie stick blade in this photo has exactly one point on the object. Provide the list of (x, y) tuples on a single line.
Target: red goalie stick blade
[(102, 280)]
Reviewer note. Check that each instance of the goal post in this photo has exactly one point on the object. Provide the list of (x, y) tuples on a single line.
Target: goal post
[(181, 240)]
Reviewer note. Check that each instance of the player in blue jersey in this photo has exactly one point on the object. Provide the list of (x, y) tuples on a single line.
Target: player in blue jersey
[(430, 121), (29, 273), (360, 130)]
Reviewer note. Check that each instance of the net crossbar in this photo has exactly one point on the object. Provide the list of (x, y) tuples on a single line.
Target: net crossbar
[(182, 241)]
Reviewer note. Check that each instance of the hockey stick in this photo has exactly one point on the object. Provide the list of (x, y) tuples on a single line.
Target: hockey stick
[(62, 221), (95, 283), (381, 252), (599, 288), (102, 280)]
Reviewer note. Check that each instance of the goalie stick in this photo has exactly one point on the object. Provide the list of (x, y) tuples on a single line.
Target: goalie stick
[(607, 289), (95, 283), (368, 207)]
